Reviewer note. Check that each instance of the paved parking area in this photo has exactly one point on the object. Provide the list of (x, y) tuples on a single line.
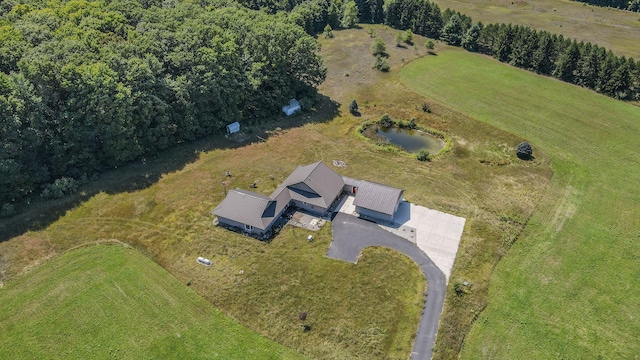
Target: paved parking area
[(436, 233)]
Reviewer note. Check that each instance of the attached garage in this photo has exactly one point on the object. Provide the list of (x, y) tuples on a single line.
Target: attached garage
[(377, 201)]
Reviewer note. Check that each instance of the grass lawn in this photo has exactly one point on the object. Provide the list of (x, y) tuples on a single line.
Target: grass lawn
[(110, 301), (617, 30), (566, 287), (364, 311)]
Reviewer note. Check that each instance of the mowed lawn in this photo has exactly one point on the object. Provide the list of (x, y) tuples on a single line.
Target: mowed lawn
[(617, 30), (567, 288), (110, 301)]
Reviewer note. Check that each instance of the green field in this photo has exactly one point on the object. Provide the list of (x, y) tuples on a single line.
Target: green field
[(616, 30), (110, 301), (566, 289)]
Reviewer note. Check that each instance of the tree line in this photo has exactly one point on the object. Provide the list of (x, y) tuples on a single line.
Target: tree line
[(584, 64), (86, 86), (631, 5)]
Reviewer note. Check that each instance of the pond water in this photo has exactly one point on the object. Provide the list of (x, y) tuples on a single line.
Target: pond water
[(411, 140)]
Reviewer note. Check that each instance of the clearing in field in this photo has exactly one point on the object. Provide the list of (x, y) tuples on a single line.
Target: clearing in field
[(565, 289)]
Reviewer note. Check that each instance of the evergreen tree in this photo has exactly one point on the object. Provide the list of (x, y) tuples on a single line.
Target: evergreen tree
[(544, 54), (470, 39), (607, 68), (349, 15), (452, 31), (524, 41), (567, 63), (589, 65)]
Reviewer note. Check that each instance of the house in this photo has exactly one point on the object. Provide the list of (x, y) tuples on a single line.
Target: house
[(233, 128), (293, 106), (250, 211), (314, 188)]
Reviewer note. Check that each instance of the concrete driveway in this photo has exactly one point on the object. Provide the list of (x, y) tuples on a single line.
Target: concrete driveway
[(436, 233), (351, 235)]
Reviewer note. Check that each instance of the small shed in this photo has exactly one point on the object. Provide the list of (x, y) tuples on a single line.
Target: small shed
[(233, 128), (293, 106)]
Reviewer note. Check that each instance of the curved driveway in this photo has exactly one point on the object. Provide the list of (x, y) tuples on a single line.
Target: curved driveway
[(351, 235)]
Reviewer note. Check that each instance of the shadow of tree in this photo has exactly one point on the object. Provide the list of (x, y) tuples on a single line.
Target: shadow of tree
[(36, 213)]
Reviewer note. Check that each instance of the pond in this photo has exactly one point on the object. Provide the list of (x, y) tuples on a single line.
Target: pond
[(411, 140)]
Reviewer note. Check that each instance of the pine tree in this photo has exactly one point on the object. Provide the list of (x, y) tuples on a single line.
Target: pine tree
[(567, 63), (452, 31), (470, 39)]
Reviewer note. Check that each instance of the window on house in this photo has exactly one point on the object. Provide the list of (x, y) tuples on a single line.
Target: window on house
[(248, 227)]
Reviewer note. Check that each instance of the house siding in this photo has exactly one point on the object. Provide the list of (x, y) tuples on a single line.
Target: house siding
[(229, 222), (349, 189), (373, 214), (310, 208)]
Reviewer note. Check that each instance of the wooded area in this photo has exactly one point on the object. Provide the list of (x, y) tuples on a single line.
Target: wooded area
[(86, 86)]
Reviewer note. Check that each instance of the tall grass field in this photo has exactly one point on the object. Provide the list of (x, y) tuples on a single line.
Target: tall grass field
[(568, 286)]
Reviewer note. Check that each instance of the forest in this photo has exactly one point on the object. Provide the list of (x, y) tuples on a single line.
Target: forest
[(86, 86)]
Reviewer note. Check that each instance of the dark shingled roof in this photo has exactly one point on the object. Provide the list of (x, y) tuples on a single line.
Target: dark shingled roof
[(315, 184), (248, 207), (377, 197)]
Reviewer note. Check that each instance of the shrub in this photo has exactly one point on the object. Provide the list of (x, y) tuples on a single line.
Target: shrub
[(353, 107), (381, 64), (60, 188), (430, 45), (398, 39), (378, 47), (426, 108), (328, 32), (524, 150), (423, 155), (371, 32), (385, 121), (407, 37), (7, 210), (412, 124)]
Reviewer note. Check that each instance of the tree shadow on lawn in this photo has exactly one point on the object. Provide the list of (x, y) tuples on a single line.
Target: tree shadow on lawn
[(36, 213)]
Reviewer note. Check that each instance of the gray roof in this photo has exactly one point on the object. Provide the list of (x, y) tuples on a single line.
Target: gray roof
[(314, 184), (377, 197), (248, 207)]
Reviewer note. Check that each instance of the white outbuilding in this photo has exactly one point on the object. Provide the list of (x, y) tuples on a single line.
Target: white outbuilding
[(293, 106), (233, 128)]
